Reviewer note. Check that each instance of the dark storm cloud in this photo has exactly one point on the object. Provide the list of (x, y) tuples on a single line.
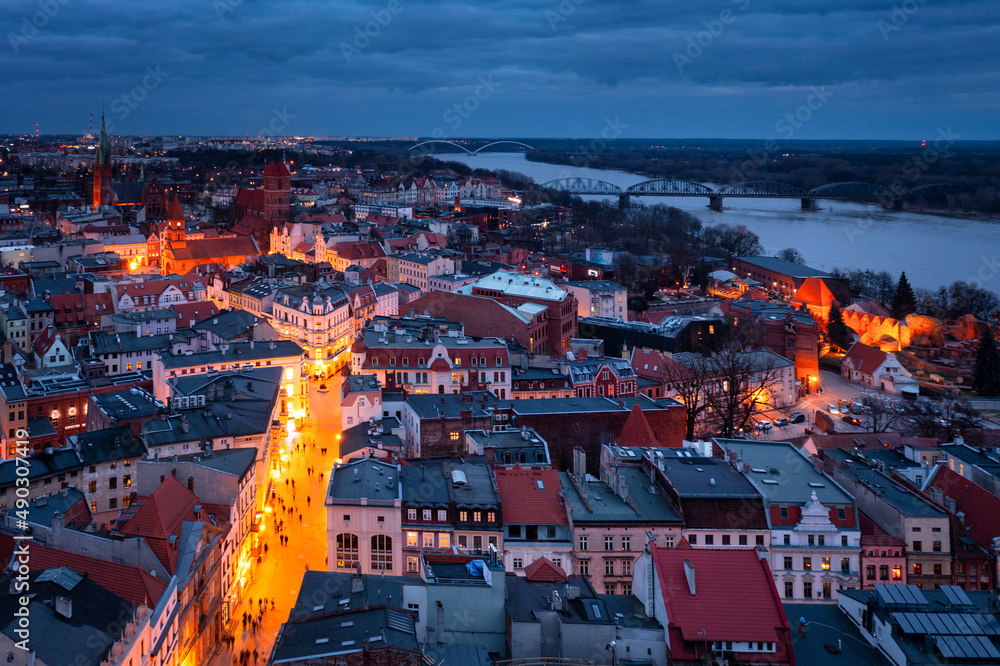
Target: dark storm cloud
[(716, 68)]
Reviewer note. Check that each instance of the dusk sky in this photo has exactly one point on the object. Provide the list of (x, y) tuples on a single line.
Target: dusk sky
[(883, 69)]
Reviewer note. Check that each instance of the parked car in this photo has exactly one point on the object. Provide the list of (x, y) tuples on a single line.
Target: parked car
[(853, 420), (797, 417), (855, 409), (323, 388), (781, 423), (763, 426), (832, 408), (842, 405)]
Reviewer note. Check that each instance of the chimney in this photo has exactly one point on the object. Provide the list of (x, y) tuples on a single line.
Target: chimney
[(689, 574), (64, 607), (357, 584), (949, 503), (579, 461), (439, 619), (937, 495), (622, 487)]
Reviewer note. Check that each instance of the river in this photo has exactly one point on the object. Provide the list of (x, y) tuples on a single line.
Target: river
[(934, 250)]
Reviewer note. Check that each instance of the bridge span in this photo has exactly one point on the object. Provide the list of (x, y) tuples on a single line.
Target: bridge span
[(760, 189)]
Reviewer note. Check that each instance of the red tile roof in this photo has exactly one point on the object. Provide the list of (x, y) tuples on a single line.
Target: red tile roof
[(524, 502), (636, 431), (735, 598), (980, 506), (215, 248), (544, 570), (175, 212), (44, 342), (160, 516), (197, 311), (864, 358), (130, 583)]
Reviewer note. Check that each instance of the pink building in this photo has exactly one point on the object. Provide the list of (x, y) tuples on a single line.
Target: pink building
[(883, 557)]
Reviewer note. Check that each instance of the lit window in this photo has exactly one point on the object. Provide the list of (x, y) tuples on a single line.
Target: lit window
[(444, 540), (826, 564), (411, 539), (427, 514), (454, 436), (428, 539)]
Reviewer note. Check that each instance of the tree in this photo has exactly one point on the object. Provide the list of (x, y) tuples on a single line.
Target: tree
[(689, 382), (904, 301), (739, 241), (986, 374), (961, 298), (792, 255), (743, 385), (836, 330)]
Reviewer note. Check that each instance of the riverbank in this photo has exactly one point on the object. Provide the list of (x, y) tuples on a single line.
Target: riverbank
[(934, 249)]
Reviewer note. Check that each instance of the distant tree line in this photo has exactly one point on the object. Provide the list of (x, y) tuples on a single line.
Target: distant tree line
[(979, 170)]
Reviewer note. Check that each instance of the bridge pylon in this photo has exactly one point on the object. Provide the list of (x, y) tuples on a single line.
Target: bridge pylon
[(715, 202), (808, 203), (623, 201)]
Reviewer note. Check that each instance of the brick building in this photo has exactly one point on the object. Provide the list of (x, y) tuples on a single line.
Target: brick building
[(482, 316), (514, 290), (784, 330)]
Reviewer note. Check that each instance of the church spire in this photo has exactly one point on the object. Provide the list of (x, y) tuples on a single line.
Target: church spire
[(103, 153)]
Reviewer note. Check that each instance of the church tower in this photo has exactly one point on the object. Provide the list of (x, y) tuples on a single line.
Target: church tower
[(104, 195), (176, 231), (277, 193)]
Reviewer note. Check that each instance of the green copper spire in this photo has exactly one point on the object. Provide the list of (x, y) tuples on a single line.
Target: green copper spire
[(103, 153)]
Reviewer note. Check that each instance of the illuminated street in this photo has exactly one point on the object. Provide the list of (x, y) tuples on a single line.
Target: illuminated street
[(279, 575)]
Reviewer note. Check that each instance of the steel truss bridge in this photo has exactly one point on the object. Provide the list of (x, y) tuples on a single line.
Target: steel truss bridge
[(759, 189)]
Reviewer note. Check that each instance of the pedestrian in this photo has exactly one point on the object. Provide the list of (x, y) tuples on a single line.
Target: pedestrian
[(293, 483), (321, 477), (272, 604), (265, 549), (286, 483), (308, 500), (255, 656), (300, 518)]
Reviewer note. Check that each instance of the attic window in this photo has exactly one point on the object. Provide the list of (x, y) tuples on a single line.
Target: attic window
[(541, 486), (815, 484), (346, 643), (320, 641), (759, 470), (771, 482)]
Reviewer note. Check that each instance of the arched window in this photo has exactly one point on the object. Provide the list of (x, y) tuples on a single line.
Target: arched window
[(347, 551), (381, 553)]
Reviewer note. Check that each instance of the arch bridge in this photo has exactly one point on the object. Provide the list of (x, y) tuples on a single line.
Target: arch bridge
[(466, 150), (759, 189)]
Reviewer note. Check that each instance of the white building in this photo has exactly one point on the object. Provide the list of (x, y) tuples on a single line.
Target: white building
[(599, 298)]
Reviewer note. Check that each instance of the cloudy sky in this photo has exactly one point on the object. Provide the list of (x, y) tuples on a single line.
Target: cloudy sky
[(861, 69)]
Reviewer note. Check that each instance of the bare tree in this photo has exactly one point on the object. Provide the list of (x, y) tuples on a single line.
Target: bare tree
[(689, 383), (745, 384), (883, 418)]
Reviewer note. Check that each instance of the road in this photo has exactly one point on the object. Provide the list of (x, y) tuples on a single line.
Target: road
[(279, 575), (835, 388)]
